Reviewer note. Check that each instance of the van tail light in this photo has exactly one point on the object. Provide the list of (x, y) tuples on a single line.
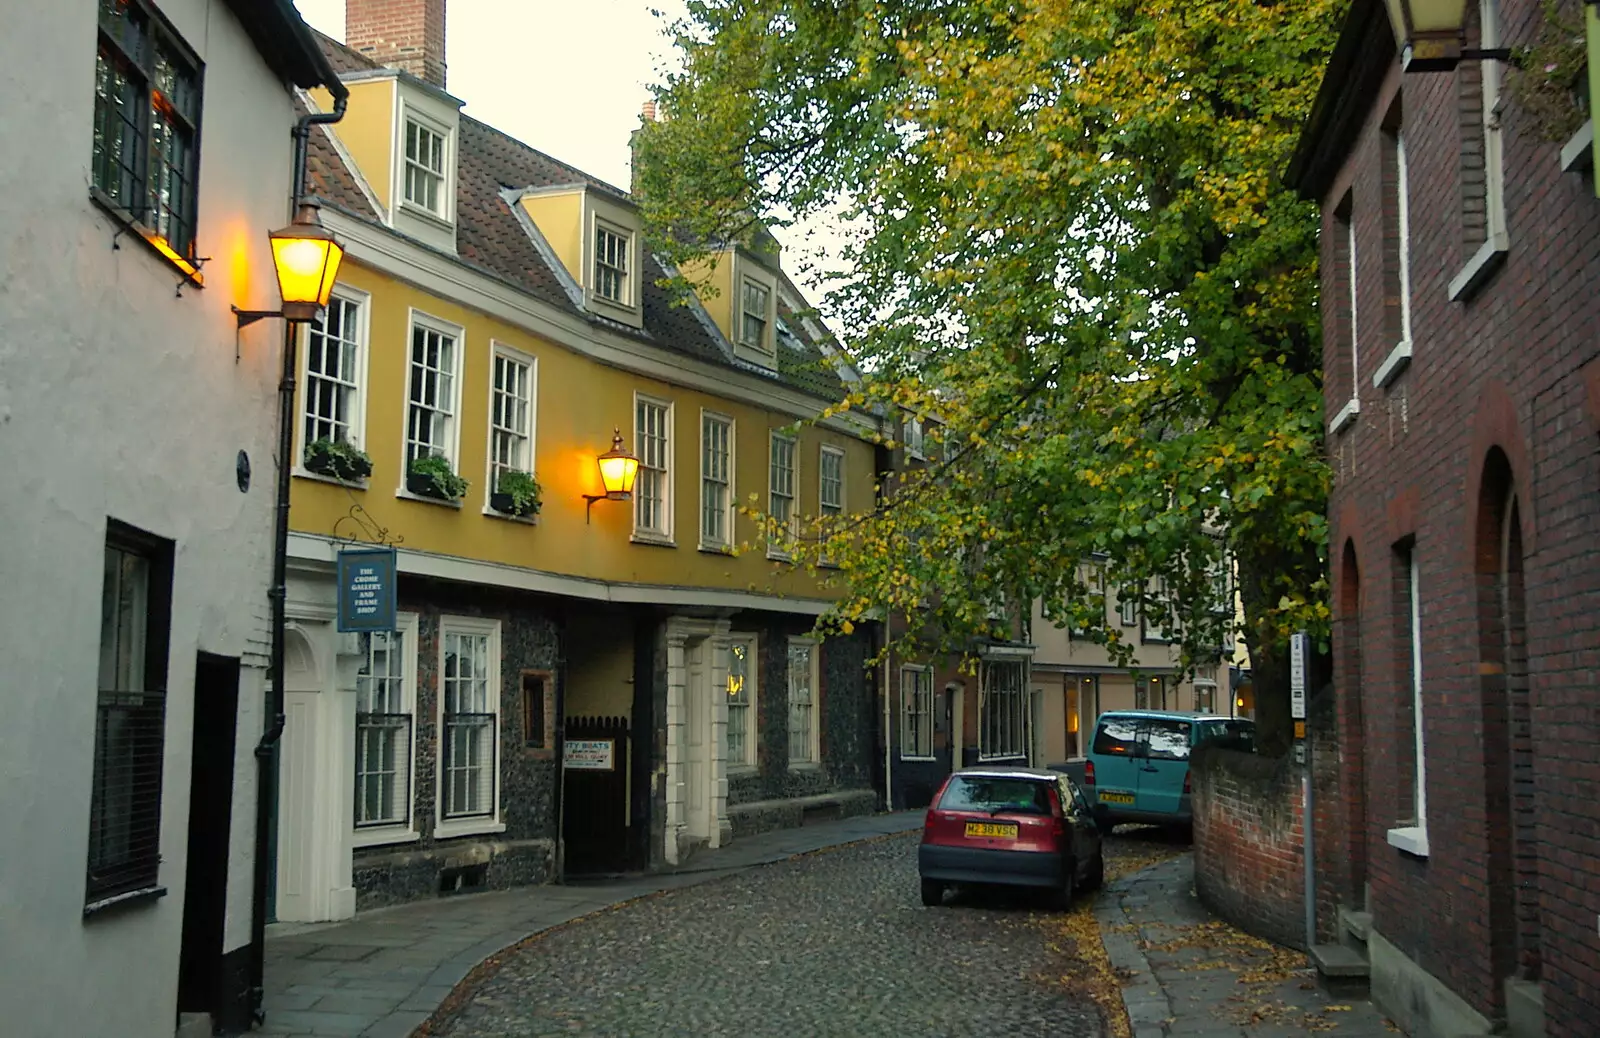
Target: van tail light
[(1187, 787), (1088, 773)]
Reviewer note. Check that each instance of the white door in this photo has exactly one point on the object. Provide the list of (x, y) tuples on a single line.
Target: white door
[(697, 742)]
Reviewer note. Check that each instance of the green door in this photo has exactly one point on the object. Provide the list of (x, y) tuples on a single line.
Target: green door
[(1163, 763), (1116, 772)]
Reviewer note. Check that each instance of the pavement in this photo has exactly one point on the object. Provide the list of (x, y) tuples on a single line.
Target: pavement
[(1188, 975), (383, 973)]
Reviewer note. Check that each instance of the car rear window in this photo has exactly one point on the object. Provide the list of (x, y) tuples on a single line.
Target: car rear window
[(981, 793), (1169, 739), (1116, 736)]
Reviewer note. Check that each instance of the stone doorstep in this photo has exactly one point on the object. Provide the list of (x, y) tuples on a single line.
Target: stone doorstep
[(1356, 924), (1337, 960)]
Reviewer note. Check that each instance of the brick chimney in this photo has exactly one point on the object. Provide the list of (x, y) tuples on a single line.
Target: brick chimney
[(402, 34)]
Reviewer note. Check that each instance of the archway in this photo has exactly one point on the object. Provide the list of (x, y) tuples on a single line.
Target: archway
[(1508, 748), (1352, 733)]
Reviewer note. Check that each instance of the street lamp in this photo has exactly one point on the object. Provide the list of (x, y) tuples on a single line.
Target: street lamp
[(1432, 34), (618, 469), (306, 258)]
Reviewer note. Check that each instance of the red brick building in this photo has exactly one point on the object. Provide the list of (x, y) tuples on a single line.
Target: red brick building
[(1460, 267)]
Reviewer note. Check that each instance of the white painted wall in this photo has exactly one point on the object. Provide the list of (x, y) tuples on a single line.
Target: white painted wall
[(118, 399)]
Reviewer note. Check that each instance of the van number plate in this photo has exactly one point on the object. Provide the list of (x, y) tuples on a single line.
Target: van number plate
[(1112, 796)]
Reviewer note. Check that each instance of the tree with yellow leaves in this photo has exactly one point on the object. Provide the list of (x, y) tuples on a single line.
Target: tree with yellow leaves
[(1075, 261)]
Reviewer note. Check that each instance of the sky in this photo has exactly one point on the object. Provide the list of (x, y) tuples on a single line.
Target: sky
[(567, 78)]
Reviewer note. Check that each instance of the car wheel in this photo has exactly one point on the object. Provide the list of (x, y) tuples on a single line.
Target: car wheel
[(932, 893), (1061, 898), (1097, 872)]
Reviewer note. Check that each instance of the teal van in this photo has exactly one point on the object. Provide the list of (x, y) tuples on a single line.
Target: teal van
[(1138, 766)]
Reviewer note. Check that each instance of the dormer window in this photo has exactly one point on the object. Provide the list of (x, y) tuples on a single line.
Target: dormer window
[(425, 167), (611, 263), (754, 301)]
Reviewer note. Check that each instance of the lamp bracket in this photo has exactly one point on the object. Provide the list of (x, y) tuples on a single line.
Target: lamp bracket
[(189, 276), (248, 317), (589, 500)]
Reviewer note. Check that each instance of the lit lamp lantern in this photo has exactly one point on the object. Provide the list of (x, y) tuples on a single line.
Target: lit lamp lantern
[(306, 258), (1432, 34), (618, 469)]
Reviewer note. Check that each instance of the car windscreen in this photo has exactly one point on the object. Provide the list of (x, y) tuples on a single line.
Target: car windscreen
[(991, 794), (1116, 736)]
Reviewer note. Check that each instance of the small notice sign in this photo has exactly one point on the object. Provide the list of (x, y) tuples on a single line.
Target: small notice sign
[(590, 754), (366, 589), (1299, 729), (1299, 649)]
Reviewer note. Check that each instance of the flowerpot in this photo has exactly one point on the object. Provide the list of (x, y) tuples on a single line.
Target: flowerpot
[(424, 486), (350, 470), (505, 504)]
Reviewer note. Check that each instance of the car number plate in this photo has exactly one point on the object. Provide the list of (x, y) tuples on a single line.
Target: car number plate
[(1112, 796), (995, 829)]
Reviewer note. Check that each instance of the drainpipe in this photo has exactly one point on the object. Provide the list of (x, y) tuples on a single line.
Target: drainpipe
[(267, 749), (888, 730), (561, 758)]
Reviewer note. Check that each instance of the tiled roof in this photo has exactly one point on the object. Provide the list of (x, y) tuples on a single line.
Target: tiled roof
[(491, 237)]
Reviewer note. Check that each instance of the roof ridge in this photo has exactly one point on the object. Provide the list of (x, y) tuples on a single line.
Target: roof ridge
[(546, 156)]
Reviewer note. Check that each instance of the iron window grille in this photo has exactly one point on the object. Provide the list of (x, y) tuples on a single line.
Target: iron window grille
[(147, 122), (469, 765), (1003, 728), (124, 845)]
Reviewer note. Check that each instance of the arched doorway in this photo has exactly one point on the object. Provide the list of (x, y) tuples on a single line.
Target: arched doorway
[(1352, 731), (1508, 747)]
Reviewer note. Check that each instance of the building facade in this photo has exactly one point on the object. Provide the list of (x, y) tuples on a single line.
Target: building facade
[(1460, 255), (141, 424), (498, 325)]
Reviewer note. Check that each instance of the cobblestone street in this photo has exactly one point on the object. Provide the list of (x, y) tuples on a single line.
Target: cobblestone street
[(834, 943)]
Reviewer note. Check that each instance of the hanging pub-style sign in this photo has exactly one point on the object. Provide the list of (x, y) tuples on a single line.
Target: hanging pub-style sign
[(367, 589)]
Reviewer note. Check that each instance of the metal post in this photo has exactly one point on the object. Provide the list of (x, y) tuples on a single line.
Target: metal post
[(1309, 824)]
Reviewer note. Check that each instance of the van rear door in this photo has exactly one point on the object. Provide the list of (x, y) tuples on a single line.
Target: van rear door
[(1116, 772), (1164, 764)]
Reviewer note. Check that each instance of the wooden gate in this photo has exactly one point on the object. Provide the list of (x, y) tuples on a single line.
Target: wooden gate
[(595, 794)]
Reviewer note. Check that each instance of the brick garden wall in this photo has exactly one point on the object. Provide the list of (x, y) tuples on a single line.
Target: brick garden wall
[(1249, 844)]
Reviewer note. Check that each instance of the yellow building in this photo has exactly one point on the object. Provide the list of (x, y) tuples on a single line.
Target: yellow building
[(498, 321)]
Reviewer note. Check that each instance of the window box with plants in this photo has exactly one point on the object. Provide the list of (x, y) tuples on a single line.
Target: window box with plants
[(338, 459), (516, 494), (432, 476)]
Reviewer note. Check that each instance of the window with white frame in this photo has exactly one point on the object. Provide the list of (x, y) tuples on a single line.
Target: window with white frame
[(781, 486), (754, 298), (652, 488), (431, 393), (510, 415), (915, 440), (385, 699), (332, 398), (1411, 833), (1403, 232), (803, 681), (1128, 607), (716, 480), (1158, 613), (611, 264), (831, 476), (469, 703), (424, 173), (916, 713), (1003, 713), (742, 682), (1205, 689)]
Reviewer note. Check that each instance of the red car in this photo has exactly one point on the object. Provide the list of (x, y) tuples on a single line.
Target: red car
[(1020, 827)]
